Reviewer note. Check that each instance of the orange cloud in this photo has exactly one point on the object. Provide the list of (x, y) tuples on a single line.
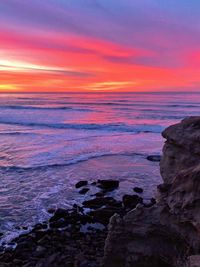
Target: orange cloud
[(63, 62)]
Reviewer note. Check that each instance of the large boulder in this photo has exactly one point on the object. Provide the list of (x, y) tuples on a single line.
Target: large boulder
[(167, 234)]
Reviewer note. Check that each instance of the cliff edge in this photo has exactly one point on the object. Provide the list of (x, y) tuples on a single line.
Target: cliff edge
[(167, 234)]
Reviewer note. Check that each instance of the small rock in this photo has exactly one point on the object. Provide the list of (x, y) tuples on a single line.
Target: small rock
[(38, 226), (151, 203), (81, 183), (83, 191), (130, 201), (58, 223), (156, 158), (60, 213), (108, 185), (138, 190), (51, 210), (103, 215), (98, 202), (99, 194), (40, 251)]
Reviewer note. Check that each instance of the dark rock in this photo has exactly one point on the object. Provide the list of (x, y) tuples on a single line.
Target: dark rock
[(40, 251), (108, 185), (163, 188), (153, 200), (101, 201), (151, 203), (38, 226), (83, 191), (58, 223), (99, 194), (131, 201), (51, 211), (81, 183), (103, 215), (156, 158), (138, 190), (166, 234), (60, 213)]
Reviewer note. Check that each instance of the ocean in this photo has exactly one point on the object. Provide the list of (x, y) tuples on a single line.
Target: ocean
[(48, 142)]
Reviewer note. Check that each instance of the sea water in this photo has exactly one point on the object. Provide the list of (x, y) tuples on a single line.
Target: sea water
[(50, 141)]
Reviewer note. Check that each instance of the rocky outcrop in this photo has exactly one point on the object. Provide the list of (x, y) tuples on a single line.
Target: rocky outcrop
[(167, 234)]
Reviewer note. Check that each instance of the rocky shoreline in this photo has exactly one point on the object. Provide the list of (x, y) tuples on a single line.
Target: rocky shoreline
[(167, 234), (73, 237), (107, 232)]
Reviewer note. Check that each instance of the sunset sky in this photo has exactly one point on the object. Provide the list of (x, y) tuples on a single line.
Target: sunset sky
[(99, 45)]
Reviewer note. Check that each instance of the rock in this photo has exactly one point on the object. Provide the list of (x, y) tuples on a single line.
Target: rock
[(194, 261), (130, 201), (40, 251), (83, 191), (108, 185), (103, 215), (81, 184), (98, 202), (51, 210), (163, 188), (167, 233), (156, 158), (58, 223), (99, 194), (60, 213), (138, 190)]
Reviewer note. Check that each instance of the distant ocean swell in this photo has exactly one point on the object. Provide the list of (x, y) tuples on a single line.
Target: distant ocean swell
[(119, 127), (65, 105)]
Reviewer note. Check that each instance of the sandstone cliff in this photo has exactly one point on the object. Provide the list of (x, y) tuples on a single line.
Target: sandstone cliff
[(167, 234)]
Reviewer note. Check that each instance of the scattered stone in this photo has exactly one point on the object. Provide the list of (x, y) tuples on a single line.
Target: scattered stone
[(153, 200), (156, 158), (83, 191), (103, 215), (108, 185), (151, 203), (138, 190), (131, 201), (81, 184), (99, 194), (98, 202), (51, 210), (60, 213)]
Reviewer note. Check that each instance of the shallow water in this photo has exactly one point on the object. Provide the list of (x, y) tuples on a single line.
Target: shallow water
[(50, 141)]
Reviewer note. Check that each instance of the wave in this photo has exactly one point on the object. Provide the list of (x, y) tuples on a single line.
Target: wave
[(16, 133), (43, 108), (130, 104), (119, 127), (79, 159)]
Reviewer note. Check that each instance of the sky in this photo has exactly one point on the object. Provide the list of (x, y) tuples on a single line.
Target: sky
[(99, 45)]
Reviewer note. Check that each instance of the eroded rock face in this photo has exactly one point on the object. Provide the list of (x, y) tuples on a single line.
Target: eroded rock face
[(167, 234)]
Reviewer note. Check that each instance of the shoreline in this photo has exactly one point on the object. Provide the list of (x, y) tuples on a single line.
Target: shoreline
[(72, 237)]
